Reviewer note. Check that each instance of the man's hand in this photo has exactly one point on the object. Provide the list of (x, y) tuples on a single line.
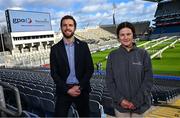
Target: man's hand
[(74, 91), (127, 104)]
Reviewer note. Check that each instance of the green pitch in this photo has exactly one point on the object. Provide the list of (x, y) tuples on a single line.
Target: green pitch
[(169, 64)]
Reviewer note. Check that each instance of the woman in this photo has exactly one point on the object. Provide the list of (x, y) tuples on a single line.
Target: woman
[(129, 75)]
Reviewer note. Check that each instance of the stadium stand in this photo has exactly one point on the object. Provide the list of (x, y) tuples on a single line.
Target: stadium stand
[(95, 33), (167, 19), (141, 28)]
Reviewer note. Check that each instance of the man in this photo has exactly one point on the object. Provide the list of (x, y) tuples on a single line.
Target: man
[(129, 75), (71, 68)]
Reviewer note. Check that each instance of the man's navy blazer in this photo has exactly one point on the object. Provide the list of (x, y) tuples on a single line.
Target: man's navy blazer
[(60, 67)]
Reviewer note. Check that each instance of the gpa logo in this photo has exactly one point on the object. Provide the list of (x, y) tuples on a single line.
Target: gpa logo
[(22, 20)]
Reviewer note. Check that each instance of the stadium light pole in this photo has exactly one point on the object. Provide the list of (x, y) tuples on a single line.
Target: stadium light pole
[(114, 20)]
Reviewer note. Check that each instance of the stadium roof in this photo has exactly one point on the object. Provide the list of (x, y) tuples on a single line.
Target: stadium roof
[(153, 0), (156, 0)]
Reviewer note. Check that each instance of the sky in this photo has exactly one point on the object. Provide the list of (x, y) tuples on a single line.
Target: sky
[(88, 13)]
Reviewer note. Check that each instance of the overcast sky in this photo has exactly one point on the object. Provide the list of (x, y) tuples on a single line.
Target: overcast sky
[(86, 12)]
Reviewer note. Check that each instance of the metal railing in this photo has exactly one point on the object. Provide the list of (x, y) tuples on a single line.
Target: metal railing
[(3, 108)]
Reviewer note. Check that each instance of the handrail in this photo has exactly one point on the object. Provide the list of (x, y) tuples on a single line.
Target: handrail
[(155, 40), (159, 42), (18, 101), (163, 49)]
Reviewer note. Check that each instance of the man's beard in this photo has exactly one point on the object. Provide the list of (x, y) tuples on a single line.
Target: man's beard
[(68, 36)]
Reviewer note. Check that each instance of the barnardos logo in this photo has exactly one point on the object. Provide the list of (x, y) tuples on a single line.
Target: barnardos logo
[(42, 21)]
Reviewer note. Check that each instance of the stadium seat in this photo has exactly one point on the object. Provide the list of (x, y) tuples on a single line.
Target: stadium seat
[(48, 89), (96, 109), (37, 92), (27, 90), (25, 102), (33, 86), (40, 87), (24, 114), (48, 95), (48, 107), (107, 104), (35, 105), (73, 112), (95, 97)]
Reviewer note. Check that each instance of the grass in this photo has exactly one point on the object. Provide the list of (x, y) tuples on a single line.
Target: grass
[(169, 64)]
